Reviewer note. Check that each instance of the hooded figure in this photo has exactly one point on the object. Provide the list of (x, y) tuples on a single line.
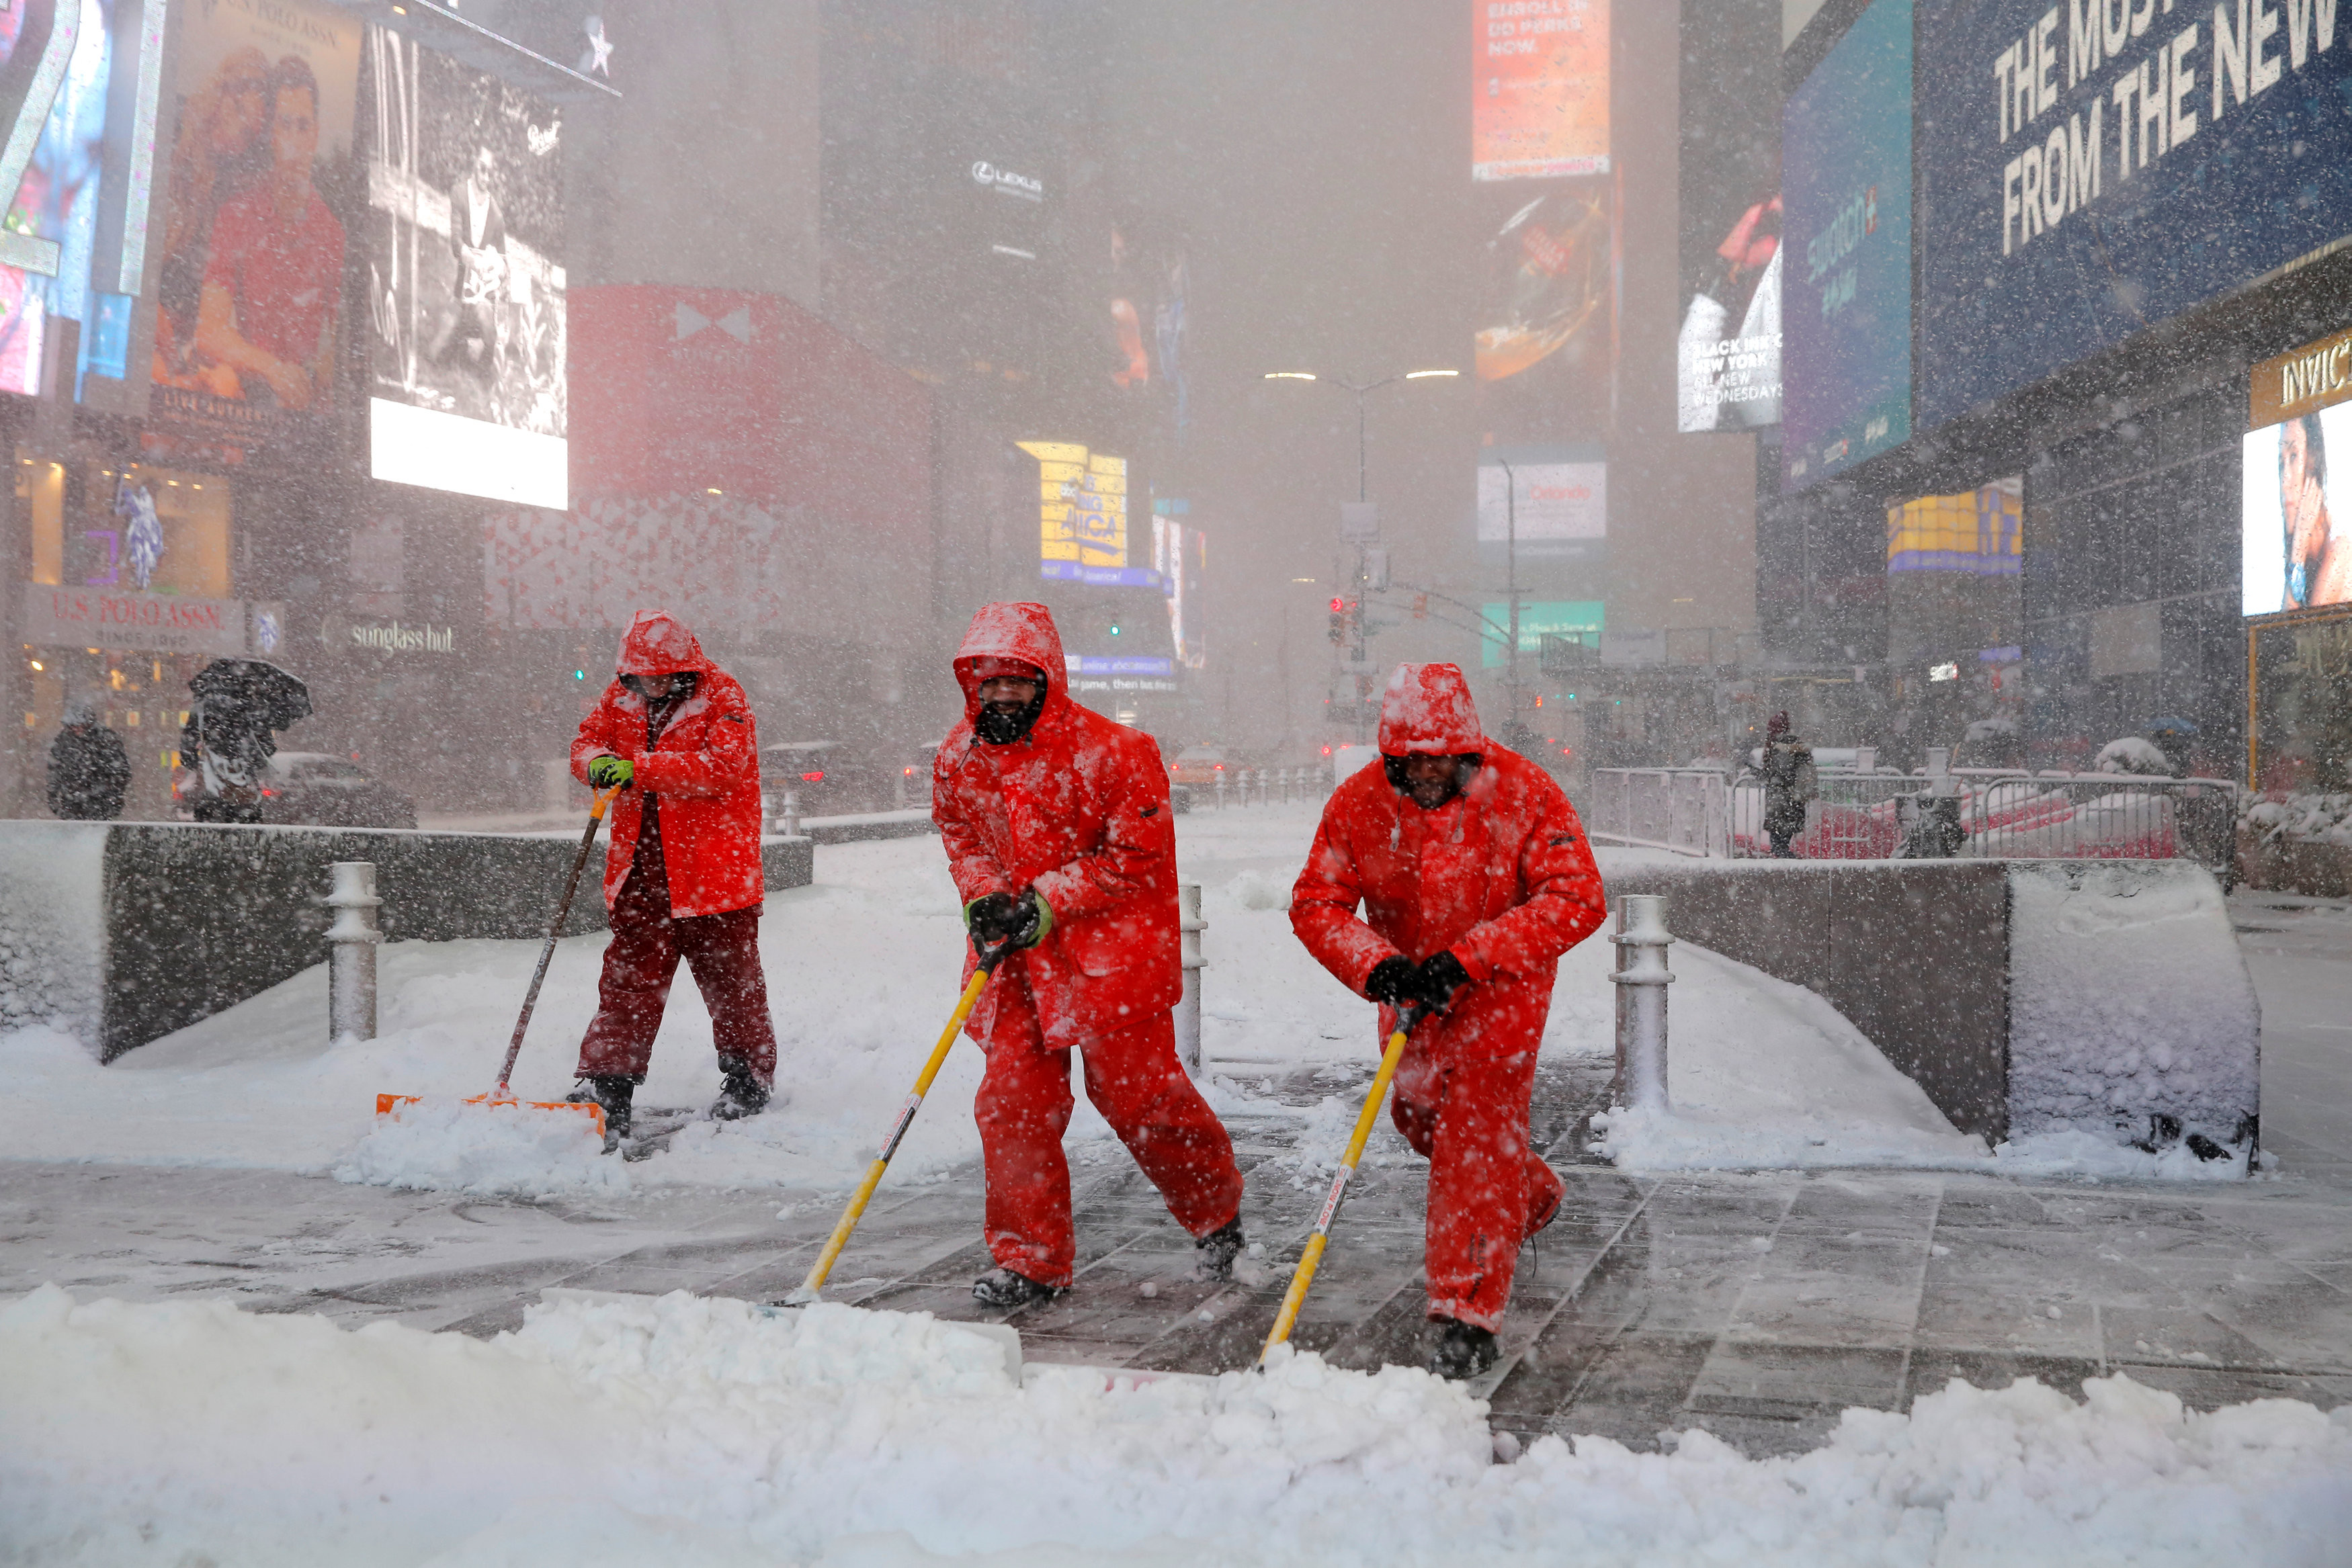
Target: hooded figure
[(682, 876), (1788, 784), (88, 769), (1474, 876), (1058, 833)]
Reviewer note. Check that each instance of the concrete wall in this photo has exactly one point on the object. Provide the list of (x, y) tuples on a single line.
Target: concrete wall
[(2022, 996), (122, 933)]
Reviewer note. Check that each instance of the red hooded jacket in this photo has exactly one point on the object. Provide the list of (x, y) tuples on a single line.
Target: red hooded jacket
[(1079, 809), (706, 770), (1501, 875)]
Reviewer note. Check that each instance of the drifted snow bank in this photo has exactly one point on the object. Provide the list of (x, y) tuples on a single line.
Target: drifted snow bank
[(686, 1429)]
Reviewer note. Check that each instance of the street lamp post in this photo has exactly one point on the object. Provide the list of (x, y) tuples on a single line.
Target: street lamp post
[(1356, 578)]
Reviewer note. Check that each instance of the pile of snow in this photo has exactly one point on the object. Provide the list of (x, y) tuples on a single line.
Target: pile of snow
[(2307, 818), (504, 1149), (637, 1430), (2132, 754), (1762, 1075)]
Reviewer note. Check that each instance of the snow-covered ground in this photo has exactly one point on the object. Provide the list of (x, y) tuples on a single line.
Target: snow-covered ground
[(862, 970), (709, 1431)]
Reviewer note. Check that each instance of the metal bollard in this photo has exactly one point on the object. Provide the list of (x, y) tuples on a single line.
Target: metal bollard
[(788, 820), (1642, 979), (1187, 1006), (350, 963), (1221, 790), (898, 790)]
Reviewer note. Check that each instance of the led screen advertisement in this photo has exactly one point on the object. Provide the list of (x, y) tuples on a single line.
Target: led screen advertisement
[(56, 198), (2095, 167), (1539, 88), (1728, 352), (2298, 509), (1546, 322), (260, 199), (1548, 503), (1846, 142), (465, 282), (1977, 532), (1581, 619), (1082, 523)]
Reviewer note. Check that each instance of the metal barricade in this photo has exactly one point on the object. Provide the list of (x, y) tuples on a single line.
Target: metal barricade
[(1683, 809)]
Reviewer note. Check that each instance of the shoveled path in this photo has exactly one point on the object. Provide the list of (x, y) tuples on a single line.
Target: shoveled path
[(1754, 1306)]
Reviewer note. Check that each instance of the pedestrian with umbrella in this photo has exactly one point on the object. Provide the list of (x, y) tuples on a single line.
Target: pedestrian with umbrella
[(231, 733)]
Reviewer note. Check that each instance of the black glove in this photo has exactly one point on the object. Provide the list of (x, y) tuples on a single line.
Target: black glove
[(991, 917), (1440, 976), (1391, 981)]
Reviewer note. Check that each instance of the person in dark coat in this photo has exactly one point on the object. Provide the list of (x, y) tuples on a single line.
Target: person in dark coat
[(88, 771), (1788, 784)]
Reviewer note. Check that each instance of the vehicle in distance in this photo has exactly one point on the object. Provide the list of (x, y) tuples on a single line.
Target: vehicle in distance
[(319, 789), (1198, 765)]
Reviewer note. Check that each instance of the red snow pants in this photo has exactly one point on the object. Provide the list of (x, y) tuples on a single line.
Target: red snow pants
[(1134, 1079), (647, 943), (1488, 1192)]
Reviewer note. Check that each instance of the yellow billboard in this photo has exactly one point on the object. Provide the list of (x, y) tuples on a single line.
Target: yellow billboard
[(1081, 504), (1975, 531)]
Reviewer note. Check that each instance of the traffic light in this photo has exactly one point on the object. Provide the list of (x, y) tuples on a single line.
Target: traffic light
[(1338, 619)]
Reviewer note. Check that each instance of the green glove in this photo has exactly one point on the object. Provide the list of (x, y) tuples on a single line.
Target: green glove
[(607, 771)]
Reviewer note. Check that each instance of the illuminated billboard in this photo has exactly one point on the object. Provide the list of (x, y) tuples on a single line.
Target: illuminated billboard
[(1977, 531), (1728, 352), (2095, 168), (1546, 502), (1539, 88), (1845, 148), (1179, 554), (2296, 557), (259, 207), (1082, 516), (57, 197), (1581, 619), (463, 250)]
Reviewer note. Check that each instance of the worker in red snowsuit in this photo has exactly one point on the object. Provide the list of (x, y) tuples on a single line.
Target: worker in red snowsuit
[(1475, 877), (682, 875), (1057, 830)]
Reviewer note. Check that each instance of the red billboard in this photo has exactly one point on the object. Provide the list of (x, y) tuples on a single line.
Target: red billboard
[(1539, 88)]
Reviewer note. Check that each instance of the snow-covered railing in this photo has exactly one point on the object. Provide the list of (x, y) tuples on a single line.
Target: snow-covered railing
[(1997, 814), (1684, 810)]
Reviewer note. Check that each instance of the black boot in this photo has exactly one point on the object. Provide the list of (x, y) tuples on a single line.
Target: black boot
[(1463, 1350), (741, 1095), (614, 1094), (1003, 1287), (1218, 1249)]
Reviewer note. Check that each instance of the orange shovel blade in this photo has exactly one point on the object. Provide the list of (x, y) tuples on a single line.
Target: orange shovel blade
[(385, 1104)]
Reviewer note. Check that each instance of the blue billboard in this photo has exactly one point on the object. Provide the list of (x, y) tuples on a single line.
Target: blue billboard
[(1845, 312), (2090, 168)]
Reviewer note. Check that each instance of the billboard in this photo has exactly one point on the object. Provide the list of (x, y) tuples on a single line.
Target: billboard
[(1581, 619), (1558, 509), (56, 198), (1728, 353), (463, 249), (2296, 556), (260, 199), (1179, 554), (1539, 88), (1081, 533), (2096, 168), (1978, 532), (1845, 161)]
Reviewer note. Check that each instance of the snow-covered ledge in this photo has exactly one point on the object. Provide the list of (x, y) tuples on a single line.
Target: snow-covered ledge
[(119, 933), (2023, 995)]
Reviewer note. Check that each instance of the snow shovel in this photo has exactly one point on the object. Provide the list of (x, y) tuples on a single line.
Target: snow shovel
[(1312, 1257), (864, 1193), (502, 1095)]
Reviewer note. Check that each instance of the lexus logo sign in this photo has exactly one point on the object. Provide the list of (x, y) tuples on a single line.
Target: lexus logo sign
[(1004, 182)]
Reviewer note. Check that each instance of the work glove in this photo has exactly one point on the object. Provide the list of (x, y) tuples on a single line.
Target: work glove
[(1440, 976), (1019, 920), (606, 771), (1391, 981)]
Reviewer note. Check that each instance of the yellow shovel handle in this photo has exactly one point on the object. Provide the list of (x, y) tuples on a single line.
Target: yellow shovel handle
[(1312, 1257), (849, 1216)]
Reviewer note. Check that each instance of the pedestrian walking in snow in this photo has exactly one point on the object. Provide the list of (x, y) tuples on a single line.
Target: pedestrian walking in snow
[(88, 771), (682, 875), (1788, 784), (1474, 875), (1059, 835), (236, 707)]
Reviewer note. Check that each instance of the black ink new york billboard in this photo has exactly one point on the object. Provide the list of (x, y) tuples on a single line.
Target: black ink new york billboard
[(2090, 168)]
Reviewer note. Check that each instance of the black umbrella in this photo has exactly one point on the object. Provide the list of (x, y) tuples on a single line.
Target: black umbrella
[(276, 695)]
